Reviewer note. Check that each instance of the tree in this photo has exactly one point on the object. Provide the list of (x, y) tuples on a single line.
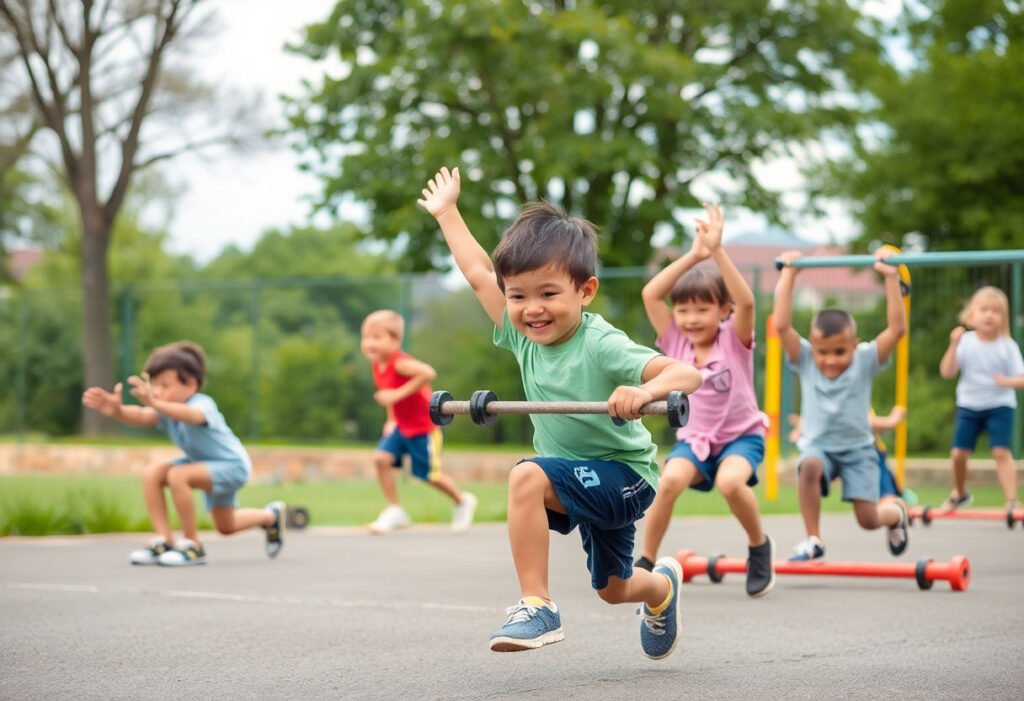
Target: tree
[(614, 109), (943, 156), (111, 102)]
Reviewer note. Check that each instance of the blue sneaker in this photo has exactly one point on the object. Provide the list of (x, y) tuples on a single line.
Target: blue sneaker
[(807, 550), (659, 632), (530, 624)]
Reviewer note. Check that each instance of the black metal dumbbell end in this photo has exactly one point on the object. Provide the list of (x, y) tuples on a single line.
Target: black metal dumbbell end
[(678, 409), (478, 407), (437, 400)]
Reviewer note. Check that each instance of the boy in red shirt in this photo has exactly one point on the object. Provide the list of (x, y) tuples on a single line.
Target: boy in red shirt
[(403, 388)]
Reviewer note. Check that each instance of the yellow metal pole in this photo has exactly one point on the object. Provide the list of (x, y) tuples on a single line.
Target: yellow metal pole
[(902, 376), (772, 407)]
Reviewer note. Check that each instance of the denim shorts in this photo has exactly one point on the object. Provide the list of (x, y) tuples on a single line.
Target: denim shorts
[(605, 499), (424, 452), (750, 448), (968, 424), (857, 467), (228, 477)]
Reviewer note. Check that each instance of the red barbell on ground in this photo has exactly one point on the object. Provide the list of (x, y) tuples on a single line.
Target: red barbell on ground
[(957, 571), (927, 514)]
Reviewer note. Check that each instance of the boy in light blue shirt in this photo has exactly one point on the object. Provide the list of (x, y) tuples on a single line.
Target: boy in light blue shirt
[(214, 460), (589, 474), (836, 439)]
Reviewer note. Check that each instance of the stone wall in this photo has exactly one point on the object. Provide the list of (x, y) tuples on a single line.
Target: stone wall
[(311, 464)]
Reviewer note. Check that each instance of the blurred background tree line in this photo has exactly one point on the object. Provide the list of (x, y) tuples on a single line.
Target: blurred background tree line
[(618, 111)]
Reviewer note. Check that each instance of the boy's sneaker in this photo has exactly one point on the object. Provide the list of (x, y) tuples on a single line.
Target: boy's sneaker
[(761, 568), (462, 514), (644, 564), (530, 624), (150, 554), (899, 535), (390, 518), (660, 631), (955, 501), (185, 553), (275, 533), (1013, 509), (807, 550)]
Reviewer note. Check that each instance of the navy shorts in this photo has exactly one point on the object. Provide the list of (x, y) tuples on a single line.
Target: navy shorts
[(858, 468), (750, 448), (887, 482), (605, 499), (996, 422), (424, 452)]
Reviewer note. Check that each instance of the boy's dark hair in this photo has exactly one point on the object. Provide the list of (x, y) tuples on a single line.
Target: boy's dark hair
[(834, 321), (184, 357), (701, 284), (544, 234)]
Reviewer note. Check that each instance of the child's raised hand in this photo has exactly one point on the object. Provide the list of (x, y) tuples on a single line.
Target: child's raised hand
[(141, 389), (107, 403), (881, 266), (442, 192), (710, 232), (955, 334), (787, 258)]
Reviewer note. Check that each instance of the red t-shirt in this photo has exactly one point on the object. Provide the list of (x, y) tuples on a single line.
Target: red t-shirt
[(412, 414)]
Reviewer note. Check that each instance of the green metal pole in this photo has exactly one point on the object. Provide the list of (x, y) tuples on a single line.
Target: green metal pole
[(935, 259), (21, 379), (1017, 330), (127, 331), (254, 357), (405, 303)]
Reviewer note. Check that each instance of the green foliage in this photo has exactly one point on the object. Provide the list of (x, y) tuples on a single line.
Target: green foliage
[(944, 156), (614, 109)]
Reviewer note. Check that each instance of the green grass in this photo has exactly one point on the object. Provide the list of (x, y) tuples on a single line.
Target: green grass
[(52, 505)]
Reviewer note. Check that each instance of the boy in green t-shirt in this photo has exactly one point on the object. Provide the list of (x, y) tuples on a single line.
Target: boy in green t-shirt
[(593, 474)]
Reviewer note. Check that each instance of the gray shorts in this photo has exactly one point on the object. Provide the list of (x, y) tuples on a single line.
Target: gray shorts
[(228, 477), (858, 468)]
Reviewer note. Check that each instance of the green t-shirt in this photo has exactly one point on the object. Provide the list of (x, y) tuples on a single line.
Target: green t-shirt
[(586, 368)]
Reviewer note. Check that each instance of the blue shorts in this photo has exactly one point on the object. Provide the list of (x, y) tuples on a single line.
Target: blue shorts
[(857, 467), (228, 477), (996, 422), (750, 448), (424, 451), (605, 499), (887, 482)]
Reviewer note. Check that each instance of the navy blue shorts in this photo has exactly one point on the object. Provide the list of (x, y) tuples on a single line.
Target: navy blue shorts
[(750, 448), (605, 499), (887, 482), (424, 451), (996, 422)]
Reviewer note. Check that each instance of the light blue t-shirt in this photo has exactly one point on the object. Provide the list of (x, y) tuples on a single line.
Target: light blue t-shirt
[(213, 440), (978, 361), (586, 368), (835, 411)]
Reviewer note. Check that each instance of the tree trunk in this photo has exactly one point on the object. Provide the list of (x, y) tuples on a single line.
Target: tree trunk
[(98, 350)]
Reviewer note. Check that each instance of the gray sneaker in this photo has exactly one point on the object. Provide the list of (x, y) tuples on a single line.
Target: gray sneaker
[(761, 568), (275, 533), (185, 554), (150, 555)]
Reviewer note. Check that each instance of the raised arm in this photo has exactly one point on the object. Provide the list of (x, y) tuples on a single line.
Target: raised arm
[(895, 314), (782, 312), (710, 232), (948, 367), (176, 411), (659, 286), (440, 198)]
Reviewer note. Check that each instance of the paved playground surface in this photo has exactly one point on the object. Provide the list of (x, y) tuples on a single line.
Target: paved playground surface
[(343, 614)]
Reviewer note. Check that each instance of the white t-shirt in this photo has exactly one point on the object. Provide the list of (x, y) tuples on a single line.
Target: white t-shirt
[(979, 360)]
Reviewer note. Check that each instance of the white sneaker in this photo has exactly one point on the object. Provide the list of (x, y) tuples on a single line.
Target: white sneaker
[(462, 514), (150, 555), (390, 518)]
